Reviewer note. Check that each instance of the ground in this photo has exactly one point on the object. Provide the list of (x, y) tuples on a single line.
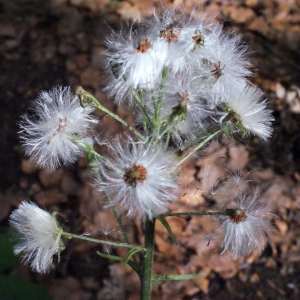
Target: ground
[(59, 42)]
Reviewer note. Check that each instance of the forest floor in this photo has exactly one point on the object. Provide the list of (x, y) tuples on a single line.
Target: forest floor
[(59, 42)]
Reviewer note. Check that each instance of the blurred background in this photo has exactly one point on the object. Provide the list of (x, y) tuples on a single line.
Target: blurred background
[(59, 42)]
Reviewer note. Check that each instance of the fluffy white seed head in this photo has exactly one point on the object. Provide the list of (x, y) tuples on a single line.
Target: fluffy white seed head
[(221, 63), (52, 135), (132, 63), (39, 236), (244, 228), (244, 109), (139, 179)]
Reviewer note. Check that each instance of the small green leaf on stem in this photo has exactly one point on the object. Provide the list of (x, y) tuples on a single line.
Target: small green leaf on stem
[(167, 226), (130, 254), (166, 277)]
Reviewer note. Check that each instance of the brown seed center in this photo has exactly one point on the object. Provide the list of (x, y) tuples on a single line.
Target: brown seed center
[(169, 33), (236, 216), (134, 175), (144, 45)]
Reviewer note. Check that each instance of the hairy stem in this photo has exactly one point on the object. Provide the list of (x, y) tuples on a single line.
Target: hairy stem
[(82, 237), (158, 107), (199, 146), (142, 107), (88, 99), (148, 260), (193, 213)]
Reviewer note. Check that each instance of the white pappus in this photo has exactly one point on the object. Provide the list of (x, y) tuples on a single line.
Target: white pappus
[(139, 178), (39, 236), (52, 136)]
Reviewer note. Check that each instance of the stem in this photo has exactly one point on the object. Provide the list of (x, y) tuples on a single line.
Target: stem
[(198, 147), (88, 99), (93, 162), (141, 105), (82, 237), (148, 260), (167, 140), (159, 99), (118, 218), (193, 213)]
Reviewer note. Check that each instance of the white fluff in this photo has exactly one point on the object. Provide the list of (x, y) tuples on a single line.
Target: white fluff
[(130, 68), (150, 196), (39, 233), (51, 137), (253, 112), (248, 235), (221, 64)]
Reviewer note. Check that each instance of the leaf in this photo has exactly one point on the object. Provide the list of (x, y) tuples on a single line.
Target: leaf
[(165, 277), (167, 226), (109, 256), (131, 253)]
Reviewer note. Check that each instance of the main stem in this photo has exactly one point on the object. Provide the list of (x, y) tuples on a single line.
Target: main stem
[(146, 284)]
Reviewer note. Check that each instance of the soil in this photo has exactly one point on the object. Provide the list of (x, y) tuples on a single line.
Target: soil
[(59, 42)]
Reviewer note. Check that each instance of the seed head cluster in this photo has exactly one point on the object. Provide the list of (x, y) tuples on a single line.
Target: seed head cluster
[(195, 58), (186, 81)]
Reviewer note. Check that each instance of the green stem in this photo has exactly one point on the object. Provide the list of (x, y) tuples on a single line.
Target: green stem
[(199, 146), (188, 144), (167, 140), (93, 165), (82, 237), (193, 213), (159, 99), (141, 105), (148, 260), (88, 99), (92, 156)]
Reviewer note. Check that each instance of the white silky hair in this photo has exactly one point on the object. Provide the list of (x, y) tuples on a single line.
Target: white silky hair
[(38, 231), (150, 196), (52, 135), (253, 111), (246, 236)]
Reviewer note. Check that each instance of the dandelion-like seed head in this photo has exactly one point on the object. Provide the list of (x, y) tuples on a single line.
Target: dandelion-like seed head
[(244, 228), (245, 112), (139, 178), (39, 236), (53, 135)]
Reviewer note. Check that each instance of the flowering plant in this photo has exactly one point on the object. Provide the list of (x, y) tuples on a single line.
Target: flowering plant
[(185, 79)]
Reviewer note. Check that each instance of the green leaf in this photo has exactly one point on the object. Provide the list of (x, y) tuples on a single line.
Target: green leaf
[(112, 257), (130, 254), (165, 277), (167, 226)]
